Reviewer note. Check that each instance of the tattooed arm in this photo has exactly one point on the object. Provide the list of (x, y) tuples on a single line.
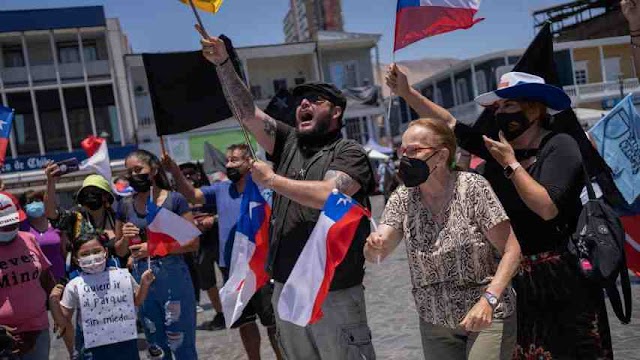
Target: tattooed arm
[(240, 100), (305, 192)]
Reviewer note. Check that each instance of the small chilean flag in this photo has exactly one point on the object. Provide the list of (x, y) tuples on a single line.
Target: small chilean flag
[(96, 149), (418, 19), (249, 254), (6, 120), (166, 230), (308, 285)]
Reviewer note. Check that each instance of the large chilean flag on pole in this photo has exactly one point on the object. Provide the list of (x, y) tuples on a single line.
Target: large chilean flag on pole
[(6, 120), (308, 285), (249, 254), (418, 19), (96, 149), (166, 230)]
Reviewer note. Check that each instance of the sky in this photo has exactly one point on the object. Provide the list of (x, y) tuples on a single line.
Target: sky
[(167, 25)]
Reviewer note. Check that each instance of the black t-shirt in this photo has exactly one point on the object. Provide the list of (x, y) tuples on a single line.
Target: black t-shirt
[(293, 223), (558, 168)]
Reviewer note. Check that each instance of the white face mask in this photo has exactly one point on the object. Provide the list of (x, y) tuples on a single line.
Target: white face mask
[(92, 264), (8, 236)]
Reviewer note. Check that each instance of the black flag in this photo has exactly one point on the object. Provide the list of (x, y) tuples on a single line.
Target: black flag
[(538, 60), (185, 90), (282, 107)]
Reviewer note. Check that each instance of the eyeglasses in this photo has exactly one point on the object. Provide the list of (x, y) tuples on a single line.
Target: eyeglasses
[(314, 99), (412, 150)]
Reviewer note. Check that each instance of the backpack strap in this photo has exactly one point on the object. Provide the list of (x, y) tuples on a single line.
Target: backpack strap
[(614, 295)]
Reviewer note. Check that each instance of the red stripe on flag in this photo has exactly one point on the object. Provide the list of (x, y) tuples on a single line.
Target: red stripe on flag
[(338, 240), (91, 144), (160, 244), (259, 257), (3, 149), (631, 226), (416, 23)]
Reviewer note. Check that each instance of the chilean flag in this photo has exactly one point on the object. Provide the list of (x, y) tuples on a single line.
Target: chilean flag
[(96, 149), (166, 230), (418, 19), (6, 120), (308, 285), (249, 254)]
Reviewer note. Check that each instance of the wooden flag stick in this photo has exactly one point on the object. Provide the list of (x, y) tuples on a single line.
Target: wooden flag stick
[(198, 19), (162, 148)]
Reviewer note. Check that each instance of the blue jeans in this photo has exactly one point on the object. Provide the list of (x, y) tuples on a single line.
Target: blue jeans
[(169, 312)]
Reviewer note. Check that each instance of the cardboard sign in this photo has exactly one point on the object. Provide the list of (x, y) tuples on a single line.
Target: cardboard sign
[(106, 305)]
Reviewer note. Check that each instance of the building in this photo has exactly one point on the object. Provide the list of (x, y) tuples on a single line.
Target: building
[(62, 70), (306, 18), (594, 73), (344, 59)]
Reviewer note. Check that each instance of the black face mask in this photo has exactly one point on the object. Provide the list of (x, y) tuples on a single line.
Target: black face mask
[(140, 182), (414, 172), (234, 174), (92, 200), (512, 132)]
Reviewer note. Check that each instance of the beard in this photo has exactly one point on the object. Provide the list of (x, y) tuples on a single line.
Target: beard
[(315, 135)]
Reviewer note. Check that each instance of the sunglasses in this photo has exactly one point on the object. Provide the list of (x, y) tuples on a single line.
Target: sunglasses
[(315, 99)]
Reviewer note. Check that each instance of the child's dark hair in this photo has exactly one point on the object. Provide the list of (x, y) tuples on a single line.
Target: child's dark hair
[(85, 238), (161, 180)]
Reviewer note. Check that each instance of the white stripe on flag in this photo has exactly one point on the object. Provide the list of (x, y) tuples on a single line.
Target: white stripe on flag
[(169, 223), (233, 296), (299, 293), (460, 4), (99, 162)]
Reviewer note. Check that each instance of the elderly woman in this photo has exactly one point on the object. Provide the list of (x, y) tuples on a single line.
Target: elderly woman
[(455, 230), (537, 175)]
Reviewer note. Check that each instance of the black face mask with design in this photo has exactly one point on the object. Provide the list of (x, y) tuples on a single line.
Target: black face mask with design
[(234, 174), (140, 182), (414, 172), (512, 124)]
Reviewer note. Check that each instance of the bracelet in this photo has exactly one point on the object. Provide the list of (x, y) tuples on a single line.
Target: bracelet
[(224, 62), (270, 181)]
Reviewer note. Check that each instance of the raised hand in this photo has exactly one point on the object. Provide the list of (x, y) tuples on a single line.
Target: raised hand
[(397, 81), (631, 11), (213, 48)]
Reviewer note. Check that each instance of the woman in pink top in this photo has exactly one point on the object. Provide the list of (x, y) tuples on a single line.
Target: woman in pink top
[(25, 281), (49, 238)]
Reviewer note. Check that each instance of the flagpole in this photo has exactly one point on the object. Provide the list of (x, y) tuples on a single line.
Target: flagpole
[(393, 61), (162, 148), (198, 19), (204, 34)]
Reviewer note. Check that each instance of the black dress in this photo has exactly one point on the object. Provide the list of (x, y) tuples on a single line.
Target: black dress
[(561, 315)]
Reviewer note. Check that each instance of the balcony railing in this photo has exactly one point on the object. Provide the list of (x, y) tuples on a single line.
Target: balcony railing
[(14, 75), (597, 91), (98, 68)]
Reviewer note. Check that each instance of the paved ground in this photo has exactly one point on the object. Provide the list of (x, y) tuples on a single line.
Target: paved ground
[(392, 318)]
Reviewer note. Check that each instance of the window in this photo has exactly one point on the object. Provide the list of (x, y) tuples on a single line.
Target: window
[(344, 74), (481, 81), (12, 56), (256, 92), (462, 90), (580, 72), (437, 98), (24, 124), (612, 68), (299, 80), (51, 121), (78, 114), (69, 53), (279, 84), (105, 113), (352, 127)]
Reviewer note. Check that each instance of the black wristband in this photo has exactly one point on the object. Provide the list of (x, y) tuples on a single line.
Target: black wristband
[(224, 62)]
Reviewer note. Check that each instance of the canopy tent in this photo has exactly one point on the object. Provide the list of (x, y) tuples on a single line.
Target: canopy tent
[(377, 155), (373, 145)]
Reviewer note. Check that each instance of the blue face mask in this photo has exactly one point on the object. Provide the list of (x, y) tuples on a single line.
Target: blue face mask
[(35, 209)]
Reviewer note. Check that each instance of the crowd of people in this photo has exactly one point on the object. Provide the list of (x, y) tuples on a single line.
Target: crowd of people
[(487, 253)]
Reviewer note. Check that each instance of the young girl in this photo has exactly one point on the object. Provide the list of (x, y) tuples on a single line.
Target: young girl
[(90, 254), (169, 313)]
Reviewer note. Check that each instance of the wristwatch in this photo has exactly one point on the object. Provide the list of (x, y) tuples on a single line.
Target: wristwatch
[(491, 299), (510, 169)]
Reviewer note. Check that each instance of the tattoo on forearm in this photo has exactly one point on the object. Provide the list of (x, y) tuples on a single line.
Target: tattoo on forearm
[(236, 92), (269, 126), (344, 183)]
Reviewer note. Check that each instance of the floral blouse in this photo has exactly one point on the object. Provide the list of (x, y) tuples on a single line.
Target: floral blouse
[(450, 259)]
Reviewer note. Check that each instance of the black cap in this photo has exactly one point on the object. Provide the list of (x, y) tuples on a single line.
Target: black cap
[(332, 93)]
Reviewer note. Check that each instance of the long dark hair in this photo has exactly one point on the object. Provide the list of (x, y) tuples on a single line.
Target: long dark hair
[(161, 180)]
